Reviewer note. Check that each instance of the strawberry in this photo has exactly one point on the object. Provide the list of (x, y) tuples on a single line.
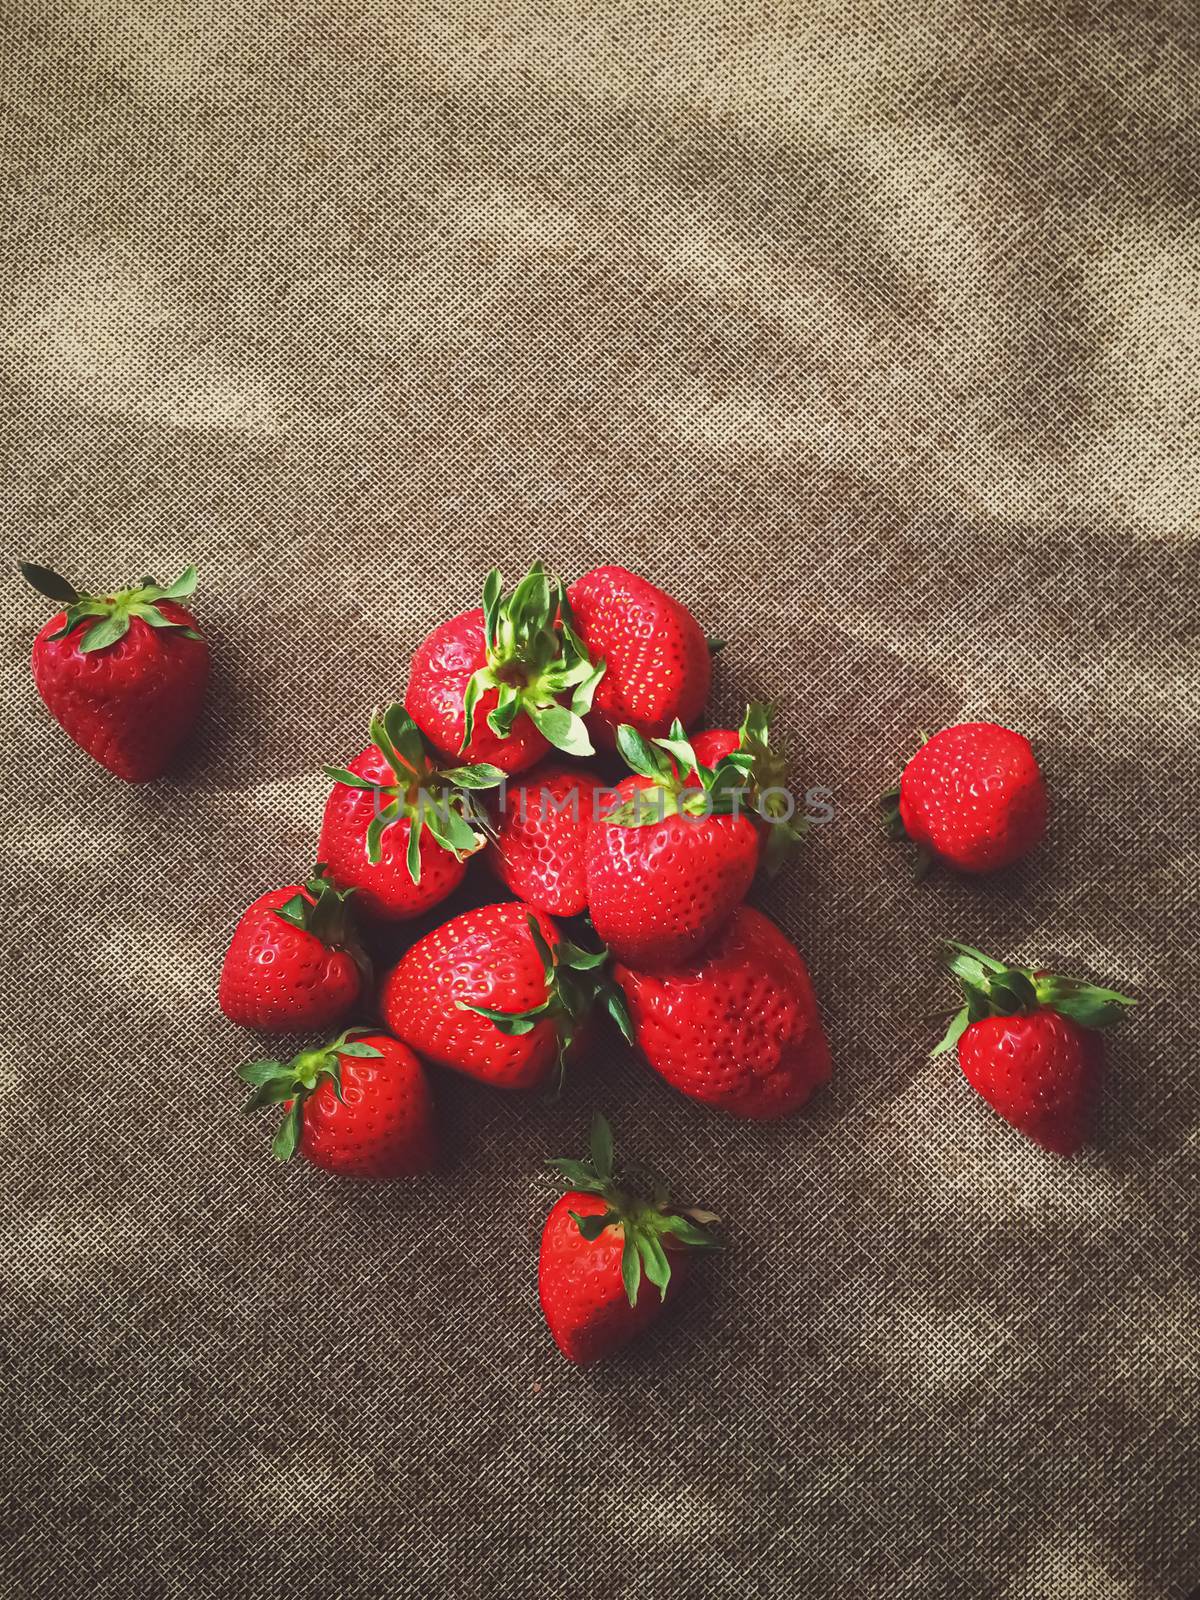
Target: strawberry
[(765, 781), (737, 1027), (122, 673), (294, 961), (541, 825), (1026, 1042), (658, 666), (360, 1106), (972, 796), (498, 994), (672, 860), (597, 1244), (489, 685), (398, 829)]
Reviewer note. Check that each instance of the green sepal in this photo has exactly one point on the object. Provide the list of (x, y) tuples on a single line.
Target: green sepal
[(48, 582), (645, 1225), (418, 792), (745, 779), (992, 989), (112, 611), (297, 1080), (535, 660)]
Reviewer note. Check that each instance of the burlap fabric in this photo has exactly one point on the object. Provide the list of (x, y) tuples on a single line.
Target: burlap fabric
[(873, 333)]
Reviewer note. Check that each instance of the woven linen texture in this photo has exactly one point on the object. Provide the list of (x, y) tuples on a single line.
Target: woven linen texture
[(872, 333)]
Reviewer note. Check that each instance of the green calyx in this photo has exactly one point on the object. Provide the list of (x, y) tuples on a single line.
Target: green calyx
[(297, 1080), (766, 771), (327, 916), (669, 764), (644, 1224), (995, 990), (443, 801), (535, 657), (747, 779), (577, 982), (113, 610)]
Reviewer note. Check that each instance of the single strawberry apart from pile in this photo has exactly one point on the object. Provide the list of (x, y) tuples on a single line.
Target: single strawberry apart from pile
[(505, 683), (124, 673), (499, 994), (599, 1243), (735, 1027), (670, 861), (657, 661), (398, 827), (541, 826), (359, 1107), (1027, 1043), (973, 796), (295, 960)]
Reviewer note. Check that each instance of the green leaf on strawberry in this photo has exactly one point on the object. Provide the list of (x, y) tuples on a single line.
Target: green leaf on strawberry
[(273, 1082), (576, 982), (750, 777), (112, 611), (992, 989), (646, 1226), (535, 659), (421, 794)]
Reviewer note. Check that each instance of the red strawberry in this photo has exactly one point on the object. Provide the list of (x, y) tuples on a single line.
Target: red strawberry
[(658, 666), (598, 1242), (737, 1027), (489, 685), (359, 1107), (973, 796), (496, 993), (672, 860), (122, 673), (541, 825), (1026, 1043), (294, 961), (396, 828)]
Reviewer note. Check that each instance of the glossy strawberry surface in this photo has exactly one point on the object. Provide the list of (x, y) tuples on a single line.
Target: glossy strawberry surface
[(658, 664), (974, 796), (737, 1027), (581, 1288), (541, 831), (1037, 1070), (131, 704), (657, 893), (279, 977), (385, 888), (441, 669), (385, 1128), (484, 957)]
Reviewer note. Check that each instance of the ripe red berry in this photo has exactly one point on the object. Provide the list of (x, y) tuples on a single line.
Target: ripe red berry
[(294, 961), (670, 862), (599, 1243), (736, 1027), (359, 1107), (973, 796), (657, 663), (122, 673), (1026, 1043), (396, 827), (541, 830), (504, 683)]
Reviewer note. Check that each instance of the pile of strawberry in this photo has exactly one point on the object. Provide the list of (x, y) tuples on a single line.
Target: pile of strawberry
[(551, 735)]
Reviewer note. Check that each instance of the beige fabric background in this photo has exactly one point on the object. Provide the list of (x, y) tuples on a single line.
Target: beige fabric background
[(872, 332)]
